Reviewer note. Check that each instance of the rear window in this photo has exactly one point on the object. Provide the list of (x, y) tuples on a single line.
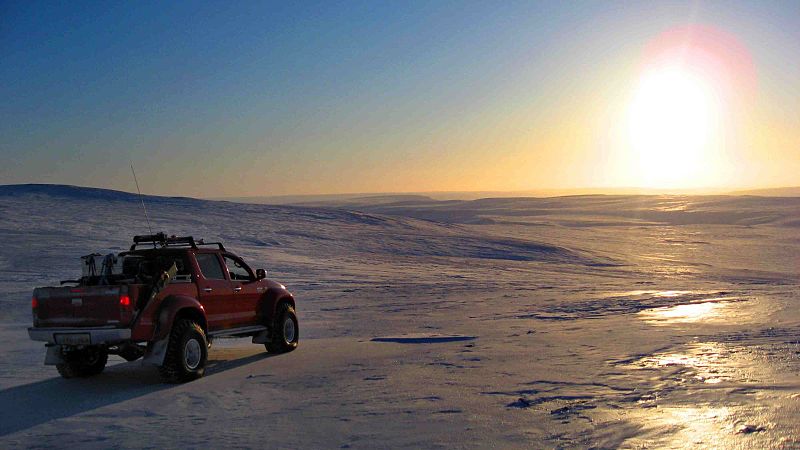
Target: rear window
[(210, 266), (137, 263), (133, 267)]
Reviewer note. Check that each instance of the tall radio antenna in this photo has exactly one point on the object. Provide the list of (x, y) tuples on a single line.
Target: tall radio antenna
[(141, 199)]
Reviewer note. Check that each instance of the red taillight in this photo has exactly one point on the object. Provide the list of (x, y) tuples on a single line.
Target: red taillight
[(34, 303), (124, 300)]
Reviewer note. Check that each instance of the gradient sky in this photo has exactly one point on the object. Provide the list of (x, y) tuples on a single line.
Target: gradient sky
[(265, 98)]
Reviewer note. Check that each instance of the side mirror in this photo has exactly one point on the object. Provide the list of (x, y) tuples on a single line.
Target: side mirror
[(261, 274)]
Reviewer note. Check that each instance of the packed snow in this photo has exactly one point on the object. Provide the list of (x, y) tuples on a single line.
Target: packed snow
[(584, 321)]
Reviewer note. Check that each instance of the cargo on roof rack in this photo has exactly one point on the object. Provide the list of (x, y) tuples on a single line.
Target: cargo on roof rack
[(162, 240)]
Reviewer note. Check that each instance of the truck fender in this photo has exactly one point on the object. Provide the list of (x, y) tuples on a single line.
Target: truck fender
[(268, 309), (169, 309), (270, 301)]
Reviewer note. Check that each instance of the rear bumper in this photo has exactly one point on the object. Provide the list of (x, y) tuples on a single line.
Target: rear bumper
[(96, 335)]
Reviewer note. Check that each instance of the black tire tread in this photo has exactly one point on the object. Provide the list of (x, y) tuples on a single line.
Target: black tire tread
[(277, 344), (172, 369)]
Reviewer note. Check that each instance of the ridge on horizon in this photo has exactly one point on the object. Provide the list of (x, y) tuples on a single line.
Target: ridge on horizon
[(68, 190)]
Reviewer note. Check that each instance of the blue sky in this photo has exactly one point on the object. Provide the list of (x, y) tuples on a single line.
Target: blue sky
[(238, 98)]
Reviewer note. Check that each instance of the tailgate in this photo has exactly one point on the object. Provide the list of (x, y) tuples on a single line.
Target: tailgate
[(87, 306)]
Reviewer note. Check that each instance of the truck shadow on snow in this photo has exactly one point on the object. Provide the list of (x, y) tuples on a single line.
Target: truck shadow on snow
[(33, 404)]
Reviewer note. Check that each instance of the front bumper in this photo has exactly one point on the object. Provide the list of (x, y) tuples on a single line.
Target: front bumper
[(96, 336)]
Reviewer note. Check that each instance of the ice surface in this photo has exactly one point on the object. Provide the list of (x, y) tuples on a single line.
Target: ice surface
[(585, 321)]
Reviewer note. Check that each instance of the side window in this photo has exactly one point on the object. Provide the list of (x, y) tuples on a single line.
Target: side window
[(238, 269), (210, 266)]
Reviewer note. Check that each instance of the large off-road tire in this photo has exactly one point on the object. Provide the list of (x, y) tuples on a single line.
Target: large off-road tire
[(285, 330), (187, 353), (85, 362)]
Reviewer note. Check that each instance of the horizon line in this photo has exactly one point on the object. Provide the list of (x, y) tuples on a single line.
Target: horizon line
[(541, 192)]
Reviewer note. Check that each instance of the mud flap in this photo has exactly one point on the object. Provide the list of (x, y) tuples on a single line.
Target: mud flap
[(262, 338), (53, 355), (156, 352)]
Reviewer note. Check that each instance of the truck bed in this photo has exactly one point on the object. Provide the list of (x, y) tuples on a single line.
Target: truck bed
[(85, 306)]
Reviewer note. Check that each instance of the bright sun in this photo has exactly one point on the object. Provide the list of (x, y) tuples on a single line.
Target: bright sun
[(693, 85), (670, 125)]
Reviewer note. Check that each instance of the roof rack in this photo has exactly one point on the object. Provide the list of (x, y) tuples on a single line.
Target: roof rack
[(162, 240)]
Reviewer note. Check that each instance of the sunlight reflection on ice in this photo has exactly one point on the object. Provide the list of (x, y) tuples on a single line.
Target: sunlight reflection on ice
[(698, 426), (690, 313), (710, 362), (687, 313), (671, 293)]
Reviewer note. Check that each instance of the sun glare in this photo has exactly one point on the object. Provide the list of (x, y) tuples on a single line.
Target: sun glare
[(670, 125), (681, 114)]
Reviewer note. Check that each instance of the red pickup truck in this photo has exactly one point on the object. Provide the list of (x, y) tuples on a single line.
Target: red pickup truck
[(164, 300)]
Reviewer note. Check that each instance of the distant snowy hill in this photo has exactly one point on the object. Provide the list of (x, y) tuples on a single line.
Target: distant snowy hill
[(594, 210), (772, 192), (52, 225), (77, 192), (326, 199), (69, 221)]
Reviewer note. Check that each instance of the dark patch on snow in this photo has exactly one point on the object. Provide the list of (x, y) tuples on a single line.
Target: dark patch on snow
[(570, 410), (523, 402), (520, 403), (748, 429), (375, 378), (423, 339)]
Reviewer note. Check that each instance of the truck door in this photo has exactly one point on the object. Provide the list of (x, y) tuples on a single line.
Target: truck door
[(245, 289), (214, 290)]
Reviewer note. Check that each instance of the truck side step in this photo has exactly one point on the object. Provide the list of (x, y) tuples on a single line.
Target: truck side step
[(235, 332)]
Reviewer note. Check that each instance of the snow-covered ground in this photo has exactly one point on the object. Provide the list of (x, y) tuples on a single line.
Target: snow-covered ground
[(589, 321)]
